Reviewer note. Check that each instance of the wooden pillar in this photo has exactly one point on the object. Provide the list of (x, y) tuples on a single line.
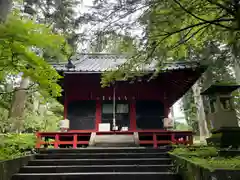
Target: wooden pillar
[(166, 112), (155, 144), (98, 114), (166, 109), (65, 99), (39, 139), (75, 141), (65, 107), (166, 106), (56, 141), (133, 120)]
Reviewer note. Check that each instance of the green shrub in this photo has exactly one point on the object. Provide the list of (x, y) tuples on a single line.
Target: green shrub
[(15, 145)]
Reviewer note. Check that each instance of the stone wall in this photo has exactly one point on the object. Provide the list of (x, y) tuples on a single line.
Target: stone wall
[(10, 167)]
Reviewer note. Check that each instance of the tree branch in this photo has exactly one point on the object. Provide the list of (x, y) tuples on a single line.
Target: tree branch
[(192, 26), (124, 16), (18, 89), (192, 35), (201, 19), (222, 6)]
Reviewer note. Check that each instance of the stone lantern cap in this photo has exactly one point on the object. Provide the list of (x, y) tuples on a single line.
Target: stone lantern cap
[(220, 89)]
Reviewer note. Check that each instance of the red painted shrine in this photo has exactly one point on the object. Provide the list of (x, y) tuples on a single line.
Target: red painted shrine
[(139, 105)]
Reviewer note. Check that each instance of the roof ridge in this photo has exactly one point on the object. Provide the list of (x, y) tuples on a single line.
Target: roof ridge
[(164, 63), (103, 53)]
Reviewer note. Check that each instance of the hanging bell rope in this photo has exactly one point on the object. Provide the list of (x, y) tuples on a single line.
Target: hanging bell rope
[(114, 108)]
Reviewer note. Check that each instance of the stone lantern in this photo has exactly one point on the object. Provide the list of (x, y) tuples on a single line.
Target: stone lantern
[(221, 115)]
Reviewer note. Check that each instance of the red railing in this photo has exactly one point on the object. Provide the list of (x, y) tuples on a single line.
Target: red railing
[(164, 137), (57, 139), (77, 138)]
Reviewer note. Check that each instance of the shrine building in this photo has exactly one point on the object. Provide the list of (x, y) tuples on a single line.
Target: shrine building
[(136, 105)]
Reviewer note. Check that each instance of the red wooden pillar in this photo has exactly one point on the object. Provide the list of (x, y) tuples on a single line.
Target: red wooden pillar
[(166, 106), (166, 112), (65, 99), (75, 141), (65, 107), (133, 121), (173, 138), (155, 144), (39, 139), (166, 109), (56, 141), (98, 113)]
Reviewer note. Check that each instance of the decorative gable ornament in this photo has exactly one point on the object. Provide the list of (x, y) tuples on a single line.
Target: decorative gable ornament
[(70, 65)]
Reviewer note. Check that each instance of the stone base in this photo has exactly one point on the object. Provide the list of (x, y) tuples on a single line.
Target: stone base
[(225, 137), (114, 141)]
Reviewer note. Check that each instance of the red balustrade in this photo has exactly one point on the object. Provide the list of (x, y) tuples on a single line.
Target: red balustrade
[(75, 139), (57, 139), (165, 137)]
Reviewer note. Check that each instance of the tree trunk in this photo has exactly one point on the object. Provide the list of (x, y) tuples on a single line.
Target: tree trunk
[(5, 7), (16, 112), (236, 68), (18, 100), (35, 102), (203, 129)]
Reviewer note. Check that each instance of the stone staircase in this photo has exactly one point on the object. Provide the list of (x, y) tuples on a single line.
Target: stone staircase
[(99, 164)]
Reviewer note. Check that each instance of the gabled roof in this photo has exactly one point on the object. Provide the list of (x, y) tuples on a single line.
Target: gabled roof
[(106, 62)]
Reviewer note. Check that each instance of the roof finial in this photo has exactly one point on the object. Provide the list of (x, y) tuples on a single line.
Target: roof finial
[(70, 65)]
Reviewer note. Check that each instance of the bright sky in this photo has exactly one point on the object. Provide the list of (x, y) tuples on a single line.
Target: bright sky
[(178, 113)]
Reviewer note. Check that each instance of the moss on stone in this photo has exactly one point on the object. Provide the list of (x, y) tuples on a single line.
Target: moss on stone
[(207, 157)]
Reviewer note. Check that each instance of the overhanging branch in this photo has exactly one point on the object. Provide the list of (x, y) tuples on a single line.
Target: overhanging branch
[(168, 34), (18, 89), (190, 37), (217, 23), (229, 10)]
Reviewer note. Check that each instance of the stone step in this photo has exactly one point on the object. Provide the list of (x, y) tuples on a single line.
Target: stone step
[(99, 163), (109, 144), (105, 150), (97, 168), (114, 138), (101, 155), (97, 175), (121, 161)]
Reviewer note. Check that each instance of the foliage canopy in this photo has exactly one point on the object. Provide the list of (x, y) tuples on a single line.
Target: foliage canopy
[(171, 29), (21, 47)]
